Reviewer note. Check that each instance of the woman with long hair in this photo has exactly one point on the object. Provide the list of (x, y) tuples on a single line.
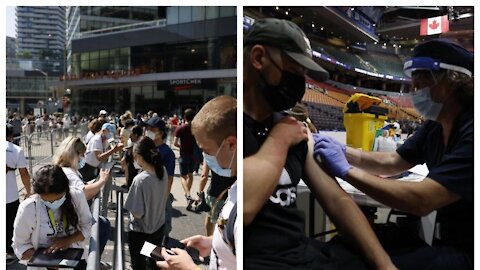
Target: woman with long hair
[(70, 156), (146, 201), (56, 217)]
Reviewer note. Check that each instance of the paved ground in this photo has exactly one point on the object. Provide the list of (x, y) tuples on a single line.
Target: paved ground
[(185, 223)]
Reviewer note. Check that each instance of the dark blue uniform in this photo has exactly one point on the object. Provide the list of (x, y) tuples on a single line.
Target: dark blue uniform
[(450, 165)]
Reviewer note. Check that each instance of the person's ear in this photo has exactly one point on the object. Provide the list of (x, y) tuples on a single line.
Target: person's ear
[(231, 142), (256, 56)]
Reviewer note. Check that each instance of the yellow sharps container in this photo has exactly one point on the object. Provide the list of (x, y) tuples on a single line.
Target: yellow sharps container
[(362, 117)]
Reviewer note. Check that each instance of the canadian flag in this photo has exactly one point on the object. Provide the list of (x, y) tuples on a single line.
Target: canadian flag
[(434, 25)]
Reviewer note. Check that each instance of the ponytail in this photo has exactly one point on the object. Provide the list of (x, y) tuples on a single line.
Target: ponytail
[(157, 163)]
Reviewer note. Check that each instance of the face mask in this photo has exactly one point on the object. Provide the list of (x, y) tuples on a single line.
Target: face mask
[(423, 103), (212, 163), (135, 164), (129, 142), (81, 162), (287, 93), (150, 134), (56, 204)]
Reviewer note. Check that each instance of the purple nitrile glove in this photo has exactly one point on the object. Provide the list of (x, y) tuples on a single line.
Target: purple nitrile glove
[(317, 137), (332, 157)]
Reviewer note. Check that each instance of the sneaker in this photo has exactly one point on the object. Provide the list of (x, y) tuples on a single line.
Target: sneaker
[(190, 201), (11, 259)]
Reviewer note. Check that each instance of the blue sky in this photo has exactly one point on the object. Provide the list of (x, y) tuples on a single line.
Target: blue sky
[(11, 21)]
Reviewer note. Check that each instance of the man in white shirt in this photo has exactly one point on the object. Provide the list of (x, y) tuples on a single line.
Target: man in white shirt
[(15, 159), (214, 129)]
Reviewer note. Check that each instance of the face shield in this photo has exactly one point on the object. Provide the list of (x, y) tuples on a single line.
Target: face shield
[(434, 65)]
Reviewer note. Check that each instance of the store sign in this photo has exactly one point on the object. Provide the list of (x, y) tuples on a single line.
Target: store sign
[(187, 84)]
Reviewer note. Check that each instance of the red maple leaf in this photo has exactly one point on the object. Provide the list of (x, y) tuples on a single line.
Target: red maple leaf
[(433, 25)]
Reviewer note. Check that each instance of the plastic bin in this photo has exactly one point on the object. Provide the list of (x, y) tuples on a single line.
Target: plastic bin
[(361, 129)]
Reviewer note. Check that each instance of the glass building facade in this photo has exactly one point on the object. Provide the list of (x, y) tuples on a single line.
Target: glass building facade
[(163, 59)]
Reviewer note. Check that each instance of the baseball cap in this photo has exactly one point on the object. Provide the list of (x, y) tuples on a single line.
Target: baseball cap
[(288, 37), (439, 54), (109, 127), (156, 122), (102, 112)]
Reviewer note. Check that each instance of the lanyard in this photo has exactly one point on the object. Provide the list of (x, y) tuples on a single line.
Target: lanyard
[(54, 224)]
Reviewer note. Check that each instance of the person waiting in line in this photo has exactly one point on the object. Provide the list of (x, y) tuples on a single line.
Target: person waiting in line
[(442, 80), (215, 130), (56, 217), (384, 143), (185, 141), (146, 201), (97, 152), (126, 130), (156, 129), (70, 157), (216, 195), (14, 159), (277, 56), (94, 127), (127, 161)]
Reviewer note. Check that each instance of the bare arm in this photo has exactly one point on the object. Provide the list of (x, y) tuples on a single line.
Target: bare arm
[(204, 177), (176, 142), (419, 198), (379, 163), (104, 156), (344, 212), (91, 190), (25, 180), (262, 170)]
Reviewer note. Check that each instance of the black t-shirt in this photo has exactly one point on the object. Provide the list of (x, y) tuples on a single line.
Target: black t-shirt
[(277, 232), (451, 166), (132, 171), (218, 184)]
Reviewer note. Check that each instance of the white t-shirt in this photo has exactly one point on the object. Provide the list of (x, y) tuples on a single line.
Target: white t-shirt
[(95, 144), (14, 159), (39, 122), (74, 178), (226, 259), (384, 144)]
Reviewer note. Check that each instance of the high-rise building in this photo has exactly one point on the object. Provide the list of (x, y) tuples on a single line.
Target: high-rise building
[(11, 47), (163, 59), (41, 37)]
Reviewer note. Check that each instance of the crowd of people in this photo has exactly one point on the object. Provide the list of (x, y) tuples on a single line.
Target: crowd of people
[(56, 212)]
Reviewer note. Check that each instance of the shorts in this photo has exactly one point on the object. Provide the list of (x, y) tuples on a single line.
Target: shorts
[(213, 213), (186, 165)]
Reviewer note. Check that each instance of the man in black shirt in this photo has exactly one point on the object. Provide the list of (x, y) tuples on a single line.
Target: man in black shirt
[(441, 73), (277, 56)]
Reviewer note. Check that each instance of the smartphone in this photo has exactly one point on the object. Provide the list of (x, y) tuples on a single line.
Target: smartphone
[(170, 243), (153, 251)]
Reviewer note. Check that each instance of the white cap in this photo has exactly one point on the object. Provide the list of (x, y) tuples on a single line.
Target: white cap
[(102, 112)]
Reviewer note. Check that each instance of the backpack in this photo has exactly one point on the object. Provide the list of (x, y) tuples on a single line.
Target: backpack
[(228, 234)]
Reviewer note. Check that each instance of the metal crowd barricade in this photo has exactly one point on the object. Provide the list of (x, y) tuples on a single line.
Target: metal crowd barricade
[(93, 260), (119, 252)]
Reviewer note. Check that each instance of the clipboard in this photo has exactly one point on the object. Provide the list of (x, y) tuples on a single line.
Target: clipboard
[(68, 258)]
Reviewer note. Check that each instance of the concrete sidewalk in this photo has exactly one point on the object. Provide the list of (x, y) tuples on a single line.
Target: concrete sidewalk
[(185, 223)]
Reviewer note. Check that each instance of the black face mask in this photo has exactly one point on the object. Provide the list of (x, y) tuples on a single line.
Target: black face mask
[(287, 93)]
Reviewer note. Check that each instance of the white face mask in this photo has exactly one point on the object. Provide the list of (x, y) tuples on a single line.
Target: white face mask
[(213, 164), (135, 164), (423, 103), (150, 134)]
